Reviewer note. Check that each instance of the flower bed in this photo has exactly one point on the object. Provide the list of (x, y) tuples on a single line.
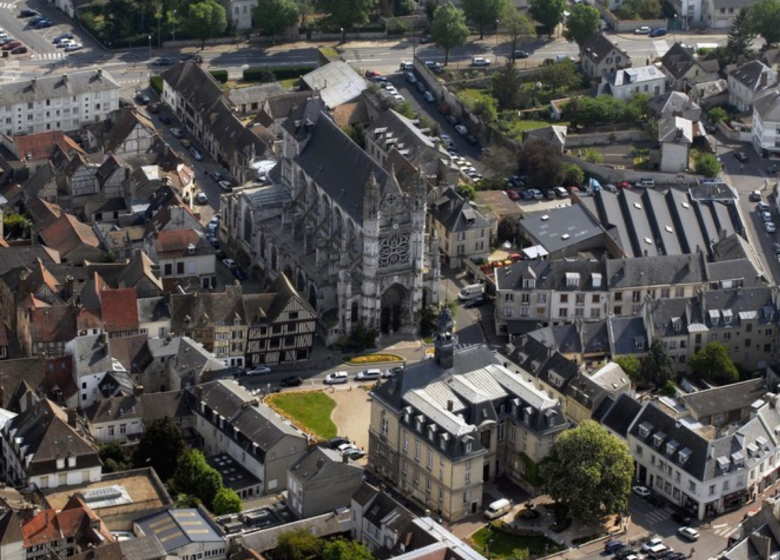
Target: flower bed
[(374, 359)]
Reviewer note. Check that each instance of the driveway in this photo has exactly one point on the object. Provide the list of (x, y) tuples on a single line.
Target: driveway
[(352, 415)]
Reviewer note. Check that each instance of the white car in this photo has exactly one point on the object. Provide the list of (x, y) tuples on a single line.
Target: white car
[(369, 374), (345, 448), (688, 533), (480, 61), (336, 378), (229, 263), (462, 130), (770, 227), (202, 198), (644, 30), (650, 543), (74, 47), (641, 491), (195, 153), (766, 216), (177, 132), (257, 370)]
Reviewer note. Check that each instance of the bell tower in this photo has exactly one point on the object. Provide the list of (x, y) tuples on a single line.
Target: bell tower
[(446, 340)]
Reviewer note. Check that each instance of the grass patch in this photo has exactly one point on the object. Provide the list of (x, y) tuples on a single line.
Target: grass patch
[(516, 127), (308, 410), (289, 83), (470, 95), (503, 545), (374, 359)]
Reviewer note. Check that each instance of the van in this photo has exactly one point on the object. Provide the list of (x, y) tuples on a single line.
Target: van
[(498, 508), (645, 183), (470, 292), (411, 78), (407, 65)]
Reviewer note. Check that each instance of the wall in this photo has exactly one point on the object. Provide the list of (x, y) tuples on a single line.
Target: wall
[(605, 138), (610, 175)]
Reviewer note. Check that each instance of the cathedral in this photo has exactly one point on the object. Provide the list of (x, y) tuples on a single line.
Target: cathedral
[(350, 236)]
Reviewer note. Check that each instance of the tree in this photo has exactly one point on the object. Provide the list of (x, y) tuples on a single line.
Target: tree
[(227, 501), (717, 114), (342, 549), (449, 29), (519, 27), (466, 191), (741, 36), (196, 477), (485, 12), (713, 364), (547, 12), (274, 17), (656, 367), (160, 448), (707, 164), (572, 174), (113, 457), (582, 23), (405, 108), (559, 75), (299, 544), (543, 163), (590, 471), (630, 365), (499, 161), (205, 20), (346, 14), (506, 86), (16, 226), (639, 9), (507, 231), (764, 18), (485, 109)]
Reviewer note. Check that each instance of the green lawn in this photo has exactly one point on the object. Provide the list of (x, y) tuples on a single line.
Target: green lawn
[(516, 127), (310, 410), (502, 545), (289, 83), (471, 95)]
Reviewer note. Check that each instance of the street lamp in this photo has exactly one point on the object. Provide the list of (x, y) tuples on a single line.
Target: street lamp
[(150, 57), (343, 37), (497, 22), (174, 24), (674, 24)]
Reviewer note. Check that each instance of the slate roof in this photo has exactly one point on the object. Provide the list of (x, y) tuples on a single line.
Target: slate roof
[(44, 433), (674, 103), (627, 335), (553, 275), (129, 119), (635, 75), (456, 213), (676, 130), (139, 548), (153, 309), (655, 271), (176, 528), (131, 351), (198, 310), (16, 256), (280, 107), (562, 227), (57, 85), (169, 404), (768, 105), (323, 464), (336, 83), (322, 159), (10, 528), (754, 75), (679, 59), (255, 94), (622, 413), (125, 407), (717, 400), (597, 47)]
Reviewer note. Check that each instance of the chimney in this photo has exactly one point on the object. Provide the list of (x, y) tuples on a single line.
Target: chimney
[(345, 458), (68, 290), (73, 417), (64, 78), (100, 73), (138, 390), (450, 405), (33, 81), (762, 81)]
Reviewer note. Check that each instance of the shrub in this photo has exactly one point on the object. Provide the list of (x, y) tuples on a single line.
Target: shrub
[(396, 27), (717, 114), (263, 75), (375, 358), (287, 72), (220, 75), (157, 84)]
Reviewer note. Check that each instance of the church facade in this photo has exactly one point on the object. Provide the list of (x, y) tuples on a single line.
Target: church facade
[(347, 233)]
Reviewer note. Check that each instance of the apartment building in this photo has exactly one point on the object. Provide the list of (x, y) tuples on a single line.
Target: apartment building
[(442, 427), (748, 81), (57, 102), (461, 230), (766, 124)]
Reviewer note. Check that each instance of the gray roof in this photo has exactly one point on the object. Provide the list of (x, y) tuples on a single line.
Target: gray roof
[(153, 309), (561, 227), (655, 271), (754, 75), (553, 275), (336, 82), (324, 464), (598, 47), (255, 94), (676, 130), (91, 355), (674, 103), (322, 159), (754, 303), (57, 85), (176, 528), (622, 413), (768, 105), (456, 213), (717, 400), (627, 335), (635, 75)]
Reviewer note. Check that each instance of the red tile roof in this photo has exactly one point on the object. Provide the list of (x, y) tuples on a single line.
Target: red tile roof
[(53, 324), (33, 147), (67, 233), (120, 309), (74, 521)]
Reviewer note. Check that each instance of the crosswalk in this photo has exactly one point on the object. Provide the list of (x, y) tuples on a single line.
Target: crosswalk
[(723, 530), (660, 46), (7, 5), (48, 56), (657, 515)]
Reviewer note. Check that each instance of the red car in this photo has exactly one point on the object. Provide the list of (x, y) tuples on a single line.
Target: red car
[(623, 185), (372, 73), (444, 109), (513, 195), (12, 45)]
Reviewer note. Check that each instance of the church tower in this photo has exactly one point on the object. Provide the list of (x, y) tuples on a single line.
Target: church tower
[(446, 340)]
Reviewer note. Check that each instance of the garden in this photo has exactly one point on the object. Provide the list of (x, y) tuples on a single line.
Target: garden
[(498, 541), (310, 411)]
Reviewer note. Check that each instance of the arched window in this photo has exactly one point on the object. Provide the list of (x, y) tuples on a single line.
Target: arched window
[(354, 312), (247, 225), (273, 259)]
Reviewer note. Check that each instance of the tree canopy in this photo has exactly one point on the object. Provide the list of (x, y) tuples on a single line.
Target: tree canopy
[(559, 75), (519, 27), (449, 29), (604, 109), (274, 17), (342, 549), (298, 544), (707, 164), (590, 471), (506, 87), (656, 367), (639, 9), (741, 36), (205, 20), (227, 501), (714, 365), (346, 14), (160, 448), (542, 162), (630, 365), (582, 23), (764, 18), (547, 12), (485, 12)]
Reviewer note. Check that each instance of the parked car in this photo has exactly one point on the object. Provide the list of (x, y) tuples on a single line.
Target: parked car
[(195, 57), (776, 247), (293, 381), (772, 169), (480, 61), (762, 206), (185, 143), (369, 374), (202, 199), (513, 195), (27, 12), (163, 61), (641, 491), (390, 372), (452, 119), (165, 119), (177, 132), (471, 139), (372, 73), (561, 192), (688, 533), (74, 47), (62, 36), (258, 370), (444, 109), (36, 18), (655, 501), (428, 96), (521, 54), (226, 186), (610, 547), (142, 99), (64, 43), (645, 183), (4, 40), (643, 30), (229, 263), (355, 454), (741, 157), (462, 130), (44, 24), (770, 227), (650, 543), (766, 216), (406, 65), (681, 518), (476, 302), (536, 194), (12, 45), (335, 442), (755, 196), (336, 378), (239, 274), (658, 32), (19, 50), (625, 552), (425, 39), (420, 86), (410, 77), (195, 153)]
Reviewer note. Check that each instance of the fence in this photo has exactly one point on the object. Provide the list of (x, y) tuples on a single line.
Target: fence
[(605, 138)]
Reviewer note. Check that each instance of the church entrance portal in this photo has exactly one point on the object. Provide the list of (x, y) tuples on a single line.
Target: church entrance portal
[(393, 304)]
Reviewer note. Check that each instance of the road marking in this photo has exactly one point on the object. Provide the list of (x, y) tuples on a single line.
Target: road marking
[(48, 56), (661, 46), (721, 525), (7, 5)]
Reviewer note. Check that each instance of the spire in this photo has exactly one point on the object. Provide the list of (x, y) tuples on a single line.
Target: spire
[(371, 201), (446, 339)]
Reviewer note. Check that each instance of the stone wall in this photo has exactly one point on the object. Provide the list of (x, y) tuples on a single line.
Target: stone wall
[(605, 138)]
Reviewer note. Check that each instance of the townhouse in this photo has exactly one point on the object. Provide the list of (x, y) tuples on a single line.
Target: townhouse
[(600, 57), (684, 70), (748, 81), (184, 257), (460, 229), (442, 427), (766, 123), (624, 83)]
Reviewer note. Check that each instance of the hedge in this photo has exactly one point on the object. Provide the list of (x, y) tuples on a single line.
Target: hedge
[(220, 75), (263, 74), (531, 473), (157, 84)]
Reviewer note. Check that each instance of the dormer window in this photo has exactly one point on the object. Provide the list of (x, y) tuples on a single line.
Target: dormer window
[(671, 446), (727, 316), (527, 414), (596, 278), (572, 279), (418, 423), (71, 462), (723, 464), (191, 249), (60, 463), (443, 441), (431, 431), (529, 283), (684, 455), (407, 415), (644, 429), (738, 459), (658, 438)]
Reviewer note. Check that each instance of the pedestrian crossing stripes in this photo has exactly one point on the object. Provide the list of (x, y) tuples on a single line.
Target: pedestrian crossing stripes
[(6, 5), (657, 516), (724, 531), (660, 46), (48, 56)]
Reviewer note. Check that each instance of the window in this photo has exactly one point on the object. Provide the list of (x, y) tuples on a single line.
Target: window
[(541, 298), (385, 424), (467, 480), (122, 429), (417, 451), (429, 464), (564, 298), (691, 486), (509, 297), (406, 443)]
